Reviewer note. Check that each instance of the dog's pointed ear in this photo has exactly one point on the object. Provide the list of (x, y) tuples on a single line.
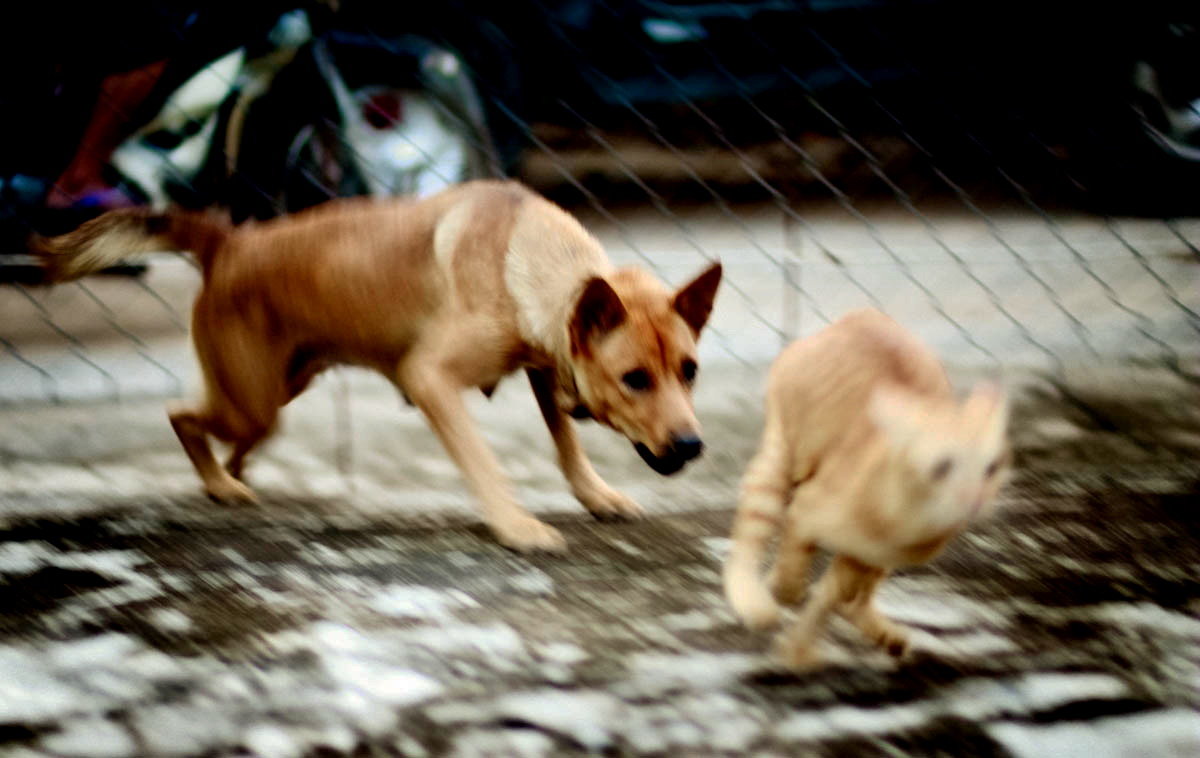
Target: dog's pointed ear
[(597, 312), (694, 300)]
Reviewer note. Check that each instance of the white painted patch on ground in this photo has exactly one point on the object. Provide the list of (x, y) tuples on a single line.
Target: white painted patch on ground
[(23, 557), (716, 547), (493, 743), (532, 582), (626, 548), (728, 726), (660, 673), (565, 653), (417, 602), (979, 699), (851, 721), (271, 741), (101, 650), (942, 611), (974, 700), (587, 718), (970, 645), (1163, 734), (170, 620), (337, 636), (1057, 429), (183, 729), (691, 620), (90, 737), (497, 643), (389, 684), (1148, 615)]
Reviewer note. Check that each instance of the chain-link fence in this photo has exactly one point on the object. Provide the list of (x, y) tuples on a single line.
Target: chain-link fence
[(1013, 182)]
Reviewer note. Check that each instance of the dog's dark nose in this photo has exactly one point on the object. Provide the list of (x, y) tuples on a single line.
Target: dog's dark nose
[(686, 448)]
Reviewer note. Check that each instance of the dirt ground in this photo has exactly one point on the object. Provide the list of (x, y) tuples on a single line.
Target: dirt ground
[(367, 612), (362, 609)]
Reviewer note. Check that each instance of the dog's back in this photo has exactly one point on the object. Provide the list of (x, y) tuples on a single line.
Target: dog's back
[(820, 385)]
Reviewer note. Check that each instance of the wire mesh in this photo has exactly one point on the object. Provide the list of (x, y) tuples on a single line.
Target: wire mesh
[(832, 155)]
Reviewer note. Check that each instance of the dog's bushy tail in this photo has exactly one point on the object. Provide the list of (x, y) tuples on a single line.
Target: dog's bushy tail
[(113, 236)]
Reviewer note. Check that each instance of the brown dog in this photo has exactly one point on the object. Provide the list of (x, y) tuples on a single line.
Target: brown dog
[(454, 291)]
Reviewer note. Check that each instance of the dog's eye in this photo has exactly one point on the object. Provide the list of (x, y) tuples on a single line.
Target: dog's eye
[(688, 369), (637, 380), (941, 469)]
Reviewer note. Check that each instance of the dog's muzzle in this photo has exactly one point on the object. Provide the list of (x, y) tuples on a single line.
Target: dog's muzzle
[(682, 450)]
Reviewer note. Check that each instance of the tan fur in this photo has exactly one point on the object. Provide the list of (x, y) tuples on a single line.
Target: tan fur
[(106, 240), (439, 295), (860, 424)]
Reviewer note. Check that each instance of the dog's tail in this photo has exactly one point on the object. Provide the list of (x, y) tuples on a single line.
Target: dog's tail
[(115, 235), (760, 516)]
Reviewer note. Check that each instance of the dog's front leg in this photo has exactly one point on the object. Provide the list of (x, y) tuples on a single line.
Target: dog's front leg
[(601, 500), (440, 399)]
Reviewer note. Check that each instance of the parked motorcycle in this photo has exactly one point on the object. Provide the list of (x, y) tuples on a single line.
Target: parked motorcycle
[(317, 116), (283, 123)]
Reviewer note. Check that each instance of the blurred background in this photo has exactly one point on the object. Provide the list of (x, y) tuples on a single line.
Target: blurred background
[(1018, 182), (1021, 176)]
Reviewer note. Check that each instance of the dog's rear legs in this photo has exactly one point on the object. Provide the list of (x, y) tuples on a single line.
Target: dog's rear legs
[(298, 379), (191, 428), (601, 500), (237, 458), (440, 398)]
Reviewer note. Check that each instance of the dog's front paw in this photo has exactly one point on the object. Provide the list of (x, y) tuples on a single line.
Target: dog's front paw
[(528, 535), (609, 505), (230, 491)]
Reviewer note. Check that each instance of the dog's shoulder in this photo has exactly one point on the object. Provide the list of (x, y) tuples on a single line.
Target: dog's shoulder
[(508, 193)]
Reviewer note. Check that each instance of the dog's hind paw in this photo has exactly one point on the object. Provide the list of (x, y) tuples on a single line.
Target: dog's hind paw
[(230, 491), (610, 505), (528, 535)]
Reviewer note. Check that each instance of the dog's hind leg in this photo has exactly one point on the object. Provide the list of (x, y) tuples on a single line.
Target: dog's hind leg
[(300, 372), (192, 429), (237, 458), (858, 605), (841, 583), (440, 398), (601, 500), (245, 384)]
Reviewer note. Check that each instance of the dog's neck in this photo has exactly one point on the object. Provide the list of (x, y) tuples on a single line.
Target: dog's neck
[(546, 299), (545, 309), (554, 343), (569, 387), (549, 261)]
